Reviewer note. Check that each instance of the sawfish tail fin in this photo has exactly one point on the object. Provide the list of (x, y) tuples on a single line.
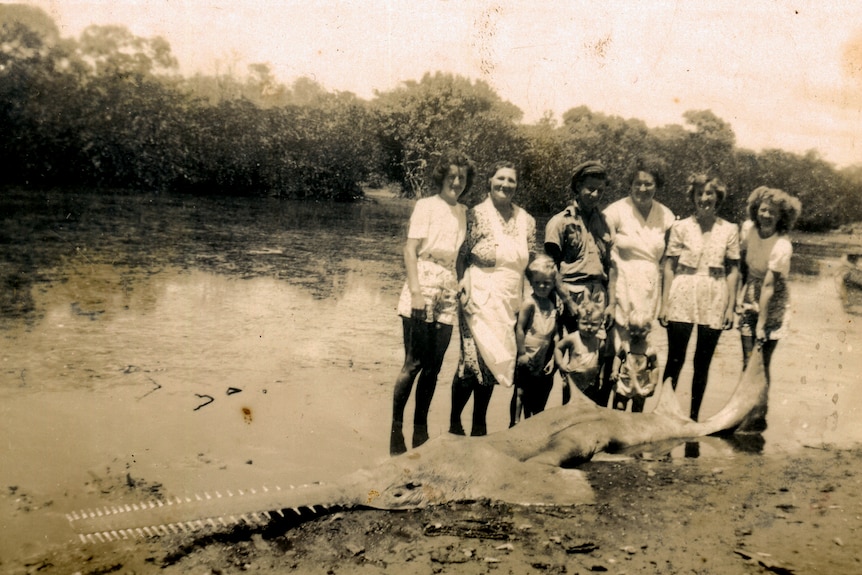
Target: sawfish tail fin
[(668, 405), (748, 399), (756, 377)]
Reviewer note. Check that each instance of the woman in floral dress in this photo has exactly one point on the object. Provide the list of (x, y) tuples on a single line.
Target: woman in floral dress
[(500, 239), (701, 271)]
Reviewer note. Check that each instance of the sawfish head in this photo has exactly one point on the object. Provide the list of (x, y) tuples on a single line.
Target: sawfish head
[(456, 468)]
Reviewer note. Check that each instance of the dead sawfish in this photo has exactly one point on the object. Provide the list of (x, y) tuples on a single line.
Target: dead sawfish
[(522, 465)]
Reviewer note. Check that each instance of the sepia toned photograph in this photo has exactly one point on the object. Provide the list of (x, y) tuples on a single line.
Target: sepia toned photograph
[(369, 287)]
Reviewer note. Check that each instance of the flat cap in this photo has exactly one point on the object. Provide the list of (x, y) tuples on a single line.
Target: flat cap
[(590, 168)]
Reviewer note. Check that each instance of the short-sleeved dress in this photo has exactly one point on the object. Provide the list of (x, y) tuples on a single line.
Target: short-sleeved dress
[(638, 246), (699, 291), (441, 227), (762, 255)]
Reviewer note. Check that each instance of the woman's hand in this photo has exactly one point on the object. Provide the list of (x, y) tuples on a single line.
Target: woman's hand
[(549, 367), (464, 296), (523, 360), (609, 318), (729, 316), (662, 317), (417, 303), (760, 332)]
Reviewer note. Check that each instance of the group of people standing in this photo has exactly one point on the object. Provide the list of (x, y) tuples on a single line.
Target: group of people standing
[(599, 283)]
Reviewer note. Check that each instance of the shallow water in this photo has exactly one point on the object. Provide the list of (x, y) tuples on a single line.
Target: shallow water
[(185, 344)]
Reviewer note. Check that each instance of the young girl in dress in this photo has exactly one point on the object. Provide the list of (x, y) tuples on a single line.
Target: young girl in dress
[(535, 333), (635, 369), (764, 299), (579, 353)]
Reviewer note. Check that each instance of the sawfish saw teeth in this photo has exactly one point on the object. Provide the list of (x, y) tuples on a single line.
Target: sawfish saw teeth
[(194, 513)]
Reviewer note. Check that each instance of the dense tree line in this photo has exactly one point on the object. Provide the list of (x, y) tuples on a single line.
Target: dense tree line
[(108, 110)]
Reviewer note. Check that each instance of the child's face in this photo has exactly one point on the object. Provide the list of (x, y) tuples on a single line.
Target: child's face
[(589, 325), (542, 283), (638, 332)]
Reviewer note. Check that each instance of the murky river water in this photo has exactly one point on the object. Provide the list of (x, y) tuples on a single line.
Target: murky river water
[(227, 343)]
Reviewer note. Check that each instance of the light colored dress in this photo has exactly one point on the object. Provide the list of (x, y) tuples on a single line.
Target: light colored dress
[(498, 253), (637, 374), (441, 227), (638, 246), (699, 292), (762, 255)]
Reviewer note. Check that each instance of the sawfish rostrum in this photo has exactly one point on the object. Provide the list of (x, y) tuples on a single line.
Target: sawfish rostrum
[(526, 464)]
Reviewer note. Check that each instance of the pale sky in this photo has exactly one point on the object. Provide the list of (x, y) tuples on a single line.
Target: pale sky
[(784, 74)]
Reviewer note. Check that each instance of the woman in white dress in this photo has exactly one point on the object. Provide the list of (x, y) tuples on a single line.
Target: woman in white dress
[(639, 227)]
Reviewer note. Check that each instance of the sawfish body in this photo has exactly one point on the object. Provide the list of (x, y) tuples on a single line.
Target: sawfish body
[(526, 464)]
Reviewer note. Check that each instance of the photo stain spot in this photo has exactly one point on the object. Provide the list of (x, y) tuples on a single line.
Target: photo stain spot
[(246, 415), (372, 495)]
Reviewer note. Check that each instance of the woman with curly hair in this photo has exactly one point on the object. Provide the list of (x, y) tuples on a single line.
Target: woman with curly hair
[(763, 299)]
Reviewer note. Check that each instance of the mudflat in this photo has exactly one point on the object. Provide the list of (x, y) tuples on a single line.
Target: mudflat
[(655, 513)]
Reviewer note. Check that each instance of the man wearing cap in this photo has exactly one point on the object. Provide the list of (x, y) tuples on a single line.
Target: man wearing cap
[(579, 241)]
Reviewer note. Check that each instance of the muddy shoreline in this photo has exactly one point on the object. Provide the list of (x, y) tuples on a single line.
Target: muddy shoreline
[(654, 514)]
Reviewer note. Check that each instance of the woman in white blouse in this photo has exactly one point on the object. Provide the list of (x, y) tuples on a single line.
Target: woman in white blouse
[(429, 300)]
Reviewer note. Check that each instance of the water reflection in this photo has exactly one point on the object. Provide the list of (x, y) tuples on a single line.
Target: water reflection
[(223, 288), (306, 244)]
